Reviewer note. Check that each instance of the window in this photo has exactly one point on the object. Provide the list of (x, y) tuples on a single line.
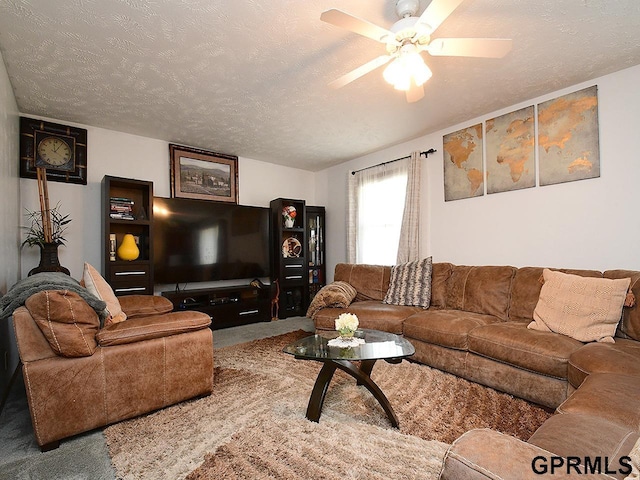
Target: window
[(377, 198)]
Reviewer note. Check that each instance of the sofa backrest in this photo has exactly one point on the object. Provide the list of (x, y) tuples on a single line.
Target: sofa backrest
[(525, 290), (480, 289), (370, 281), (630, 324), (440, 273)]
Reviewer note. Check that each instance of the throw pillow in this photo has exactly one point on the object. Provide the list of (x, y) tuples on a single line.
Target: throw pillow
[(68, 322), (99, 287), (585, 308), (336, 294), (410, 284)]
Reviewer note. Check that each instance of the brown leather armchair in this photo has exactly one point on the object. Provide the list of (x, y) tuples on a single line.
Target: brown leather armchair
[(80, 377)]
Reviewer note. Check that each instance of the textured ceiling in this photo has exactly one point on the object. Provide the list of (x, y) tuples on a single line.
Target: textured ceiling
[(249, 77)]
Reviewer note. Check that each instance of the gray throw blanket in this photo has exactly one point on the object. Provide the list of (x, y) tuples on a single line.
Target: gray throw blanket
[(18, 294)]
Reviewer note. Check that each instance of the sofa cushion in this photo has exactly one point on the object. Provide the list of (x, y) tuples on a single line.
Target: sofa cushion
[(440, 273), (68, 322), (525, 290), (98, 286), (620, 357), (156, 326), (370, 281), (587, 309), (611, 396), (447, 328), (371, 314), (410, 284), (512, 343), (144, 305), (480, 290), (630, 324), (586, 436)]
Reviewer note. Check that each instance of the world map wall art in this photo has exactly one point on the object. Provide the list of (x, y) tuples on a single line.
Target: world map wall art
[(568, 140), (463, 169), (568, 148), (511, 151)]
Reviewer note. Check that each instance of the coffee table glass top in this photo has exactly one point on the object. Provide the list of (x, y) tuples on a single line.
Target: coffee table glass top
[(378, 346)]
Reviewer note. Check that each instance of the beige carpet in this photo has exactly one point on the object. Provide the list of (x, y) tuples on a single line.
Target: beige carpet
[(253, 426)]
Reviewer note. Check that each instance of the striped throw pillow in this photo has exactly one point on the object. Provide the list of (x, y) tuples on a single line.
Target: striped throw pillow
[(410, 284)]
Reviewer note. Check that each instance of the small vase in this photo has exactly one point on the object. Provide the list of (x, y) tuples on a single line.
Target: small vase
[(49, 261), (347, 335), (128, 250), (288, 222)]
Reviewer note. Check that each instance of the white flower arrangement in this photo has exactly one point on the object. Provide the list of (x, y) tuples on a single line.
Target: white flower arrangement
[(347, 323)]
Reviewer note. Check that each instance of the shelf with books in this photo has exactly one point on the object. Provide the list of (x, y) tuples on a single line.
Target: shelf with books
[(127, 207)]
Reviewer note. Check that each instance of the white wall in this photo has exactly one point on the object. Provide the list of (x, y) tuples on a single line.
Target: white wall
[(9, 217), (132, 156), (585, 224)]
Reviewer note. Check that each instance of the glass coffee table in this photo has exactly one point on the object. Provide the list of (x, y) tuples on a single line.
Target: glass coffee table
[(377, 346)]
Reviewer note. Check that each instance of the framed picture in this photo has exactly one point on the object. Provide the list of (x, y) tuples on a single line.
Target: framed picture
[(203, 175)]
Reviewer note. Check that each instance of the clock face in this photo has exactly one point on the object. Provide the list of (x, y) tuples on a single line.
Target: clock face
[(55, 152)]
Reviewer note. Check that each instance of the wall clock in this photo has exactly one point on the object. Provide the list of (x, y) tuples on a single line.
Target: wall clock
[(60, 149)]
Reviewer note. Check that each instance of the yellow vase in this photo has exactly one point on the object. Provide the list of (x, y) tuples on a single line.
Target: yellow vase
[(128, 250)]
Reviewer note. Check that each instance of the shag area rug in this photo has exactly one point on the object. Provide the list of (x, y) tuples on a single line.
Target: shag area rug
[(253, 425)]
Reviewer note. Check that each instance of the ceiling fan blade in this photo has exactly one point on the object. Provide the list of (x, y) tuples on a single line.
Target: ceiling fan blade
[(436, 13), (346, 20), (415, 93), (470, 47), (360, 71)]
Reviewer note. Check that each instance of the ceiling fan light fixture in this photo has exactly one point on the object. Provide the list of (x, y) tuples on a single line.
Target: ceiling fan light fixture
[(407, 67)]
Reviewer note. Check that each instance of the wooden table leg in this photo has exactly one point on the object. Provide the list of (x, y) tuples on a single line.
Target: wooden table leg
[(314, 409), (362, 377)]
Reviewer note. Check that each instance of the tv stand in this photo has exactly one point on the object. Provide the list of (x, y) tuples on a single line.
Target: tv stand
[(227, 306)]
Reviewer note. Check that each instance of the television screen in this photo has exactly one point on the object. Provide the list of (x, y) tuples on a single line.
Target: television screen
[(202, 241)]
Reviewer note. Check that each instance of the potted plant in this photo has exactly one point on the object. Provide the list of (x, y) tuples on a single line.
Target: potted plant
[(46, 230)]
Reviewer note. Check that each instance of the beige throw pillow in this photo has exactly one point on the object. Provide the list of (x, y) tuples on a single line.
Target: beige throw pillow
[(99, 287), (587, 309)]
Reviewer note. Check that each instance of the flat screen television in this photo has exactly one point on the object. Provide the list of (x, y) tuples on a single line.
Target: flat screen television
[(202, 241)]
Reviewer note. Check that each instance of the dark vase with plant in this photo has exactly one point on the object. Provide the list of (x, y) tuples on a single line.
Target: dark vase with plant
[(47, 232)]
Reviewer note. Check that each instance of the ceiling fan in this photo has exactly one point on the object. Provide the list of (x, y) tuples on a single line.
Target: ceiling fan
[(407, 38)]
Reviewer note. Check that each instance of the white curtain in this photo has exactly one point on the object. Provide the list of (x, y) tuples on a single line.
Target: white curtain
[(376, 204), (409, 246)]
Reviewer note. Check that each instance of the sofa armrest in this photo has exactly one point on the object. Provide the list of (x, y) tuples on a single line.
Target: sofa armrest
[(144, 305), (488, 454), (155, 326)]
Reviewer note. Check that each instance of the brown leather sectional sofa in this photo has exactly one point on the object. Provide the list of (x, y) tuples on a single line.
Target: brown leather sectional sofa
[(476, 328)]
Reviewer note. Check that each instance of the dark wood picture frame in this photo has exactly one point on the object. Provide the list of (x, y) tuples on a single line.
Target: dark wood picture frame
[(203, 175), (32, 129)]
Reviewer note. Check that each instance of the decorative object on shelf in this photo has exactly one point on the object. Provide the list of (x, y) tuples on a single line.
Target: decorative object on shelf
[(46, 230), (289, 215), (128, 250), (60, 149), (112, 247), (203, 175), (291, 248), (347, 324)]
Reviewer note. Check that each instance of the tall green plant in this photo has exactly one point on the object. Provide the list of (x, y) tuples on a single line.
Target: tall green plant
[(35, 231)]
